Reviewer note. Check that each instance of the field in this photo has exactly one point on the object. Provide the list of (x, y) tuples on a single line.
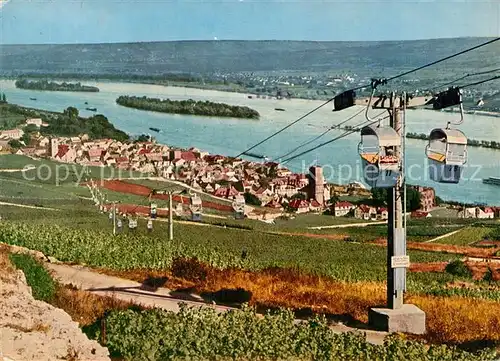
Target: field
[(468, 236), (339, 271)]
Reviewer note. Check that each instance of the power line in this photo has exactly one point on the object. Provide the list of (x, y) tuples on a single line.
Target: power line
[(373, 84)]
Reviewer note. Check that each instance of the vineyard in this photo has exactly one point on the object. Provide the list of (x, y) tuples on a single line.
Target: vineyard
[(218, 247), (469, 236), (203, 334)]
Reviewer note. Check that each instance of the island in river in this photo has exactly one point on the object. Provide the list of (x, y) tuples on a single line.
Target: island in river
[(190, 107), (53, 86)]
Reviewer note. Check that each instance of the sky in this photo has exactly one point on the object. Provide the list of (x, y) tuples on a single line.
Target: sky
[(104, 21)]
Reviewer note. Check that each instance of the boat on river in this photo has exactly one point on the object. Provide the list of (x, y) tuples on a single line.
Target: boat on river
[(155, 130), (492, 181), (33, 99), (91, 109)]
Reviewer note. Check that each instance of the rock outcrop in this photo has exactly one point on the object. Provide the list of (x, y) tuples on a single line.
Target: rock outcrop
[(35, 330)]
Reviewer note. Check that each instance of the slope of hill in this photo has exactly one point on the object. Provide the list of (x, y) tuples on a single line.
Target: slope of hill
[(236, 56)]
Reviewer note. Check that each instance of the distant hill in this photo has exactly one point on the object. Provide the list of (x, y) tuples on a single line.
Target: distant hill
[(237, 56)]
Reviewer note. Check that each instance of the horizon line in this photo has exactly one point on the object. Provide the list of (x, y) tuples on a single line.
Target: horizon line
[(247, 40)]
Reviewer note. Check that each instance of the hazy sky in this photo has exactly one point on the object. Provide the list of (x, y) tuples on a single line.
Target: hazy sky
[(92, 21)]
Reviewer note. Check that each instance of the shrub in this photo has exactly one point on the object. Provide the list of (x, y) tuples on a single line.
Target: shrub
[(458, 268), (205, 334), (190, 269), (488, 276), (42, 285)]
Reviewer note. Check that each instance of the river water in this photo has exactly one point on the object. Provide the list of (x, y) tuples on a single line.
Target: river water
[(231, 136)]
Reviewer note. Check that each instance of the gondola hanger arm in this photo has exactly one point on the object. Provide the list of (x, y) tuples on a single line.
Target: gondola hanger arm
[(384, 102)]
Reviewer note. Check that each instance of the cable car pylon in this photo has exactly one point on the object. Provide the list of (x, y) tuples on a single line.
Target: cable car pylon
[(382, 152)]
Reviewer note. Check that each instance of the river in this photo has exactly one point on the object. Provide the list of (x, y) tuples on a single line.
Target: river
[(231, 136)]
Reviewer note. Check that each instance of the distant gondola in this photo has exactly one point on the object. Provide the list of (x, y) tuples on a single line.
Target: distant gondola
[(254, 155), (91, 109), (155, 130), (279, 109)]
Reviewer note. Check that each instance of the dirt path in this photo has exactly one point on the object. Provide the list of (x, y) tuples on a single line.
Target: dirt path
[(17, 170), (25, 206), (348, 225), (443, 236), (127, 290)]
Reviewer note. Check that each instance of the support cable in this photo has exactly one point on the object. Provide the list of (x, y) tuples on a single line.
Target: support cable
[(380, 81)]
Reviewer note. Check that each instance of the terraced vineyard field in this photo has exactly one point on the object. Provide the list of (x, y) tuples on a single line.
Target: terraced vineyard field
[(468, 236), (221, 248)]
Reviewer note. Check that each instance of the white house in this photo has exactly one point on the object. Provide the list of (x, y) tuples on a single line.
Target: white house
[(34, 121), (343, 208)]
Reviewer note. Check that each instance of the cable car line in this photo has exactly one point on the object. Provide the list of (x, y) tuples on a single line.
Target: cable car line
[(374, 83), (321, 135), (466, 76), (480, 82), (334, 139), (444, 59)]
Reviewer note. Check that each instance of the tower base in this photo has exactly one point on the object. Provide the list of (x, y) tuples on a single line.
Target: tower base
[(407, 319)]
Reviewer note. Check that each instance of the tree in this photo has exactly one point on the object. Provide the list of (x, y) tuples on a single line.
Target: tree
[(14, 143), (143, 138), (379, 196), (4, 98), (71, 112), (438, 201), (26, 138), (30, 128), (252, 199), (413, 203)]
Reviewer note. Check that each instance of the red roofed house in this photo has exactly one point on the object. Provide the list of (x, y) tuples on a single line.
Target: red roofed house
[(144, 151), (65, 154), (299, 205), (365, 212), (383, 213), (189, 156), (154, 157), (225, 192), (315, 206), (95, 154), (485, 213), (342, 208), (420, 214), (274, 204)]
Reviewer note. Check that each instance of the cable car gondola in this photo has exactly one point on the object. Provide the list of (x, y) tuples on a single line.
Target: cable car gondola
[(381, 165), (447, 154), (447, 148), (239, 206), (195, 207)]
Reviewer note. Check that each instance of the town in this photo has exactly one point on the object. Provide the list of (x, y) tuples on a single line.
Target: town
[(267, 184)]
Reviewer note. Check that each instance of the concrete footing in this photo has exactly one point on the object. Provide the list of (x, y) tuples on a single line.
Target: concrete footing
[(408, 319)]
